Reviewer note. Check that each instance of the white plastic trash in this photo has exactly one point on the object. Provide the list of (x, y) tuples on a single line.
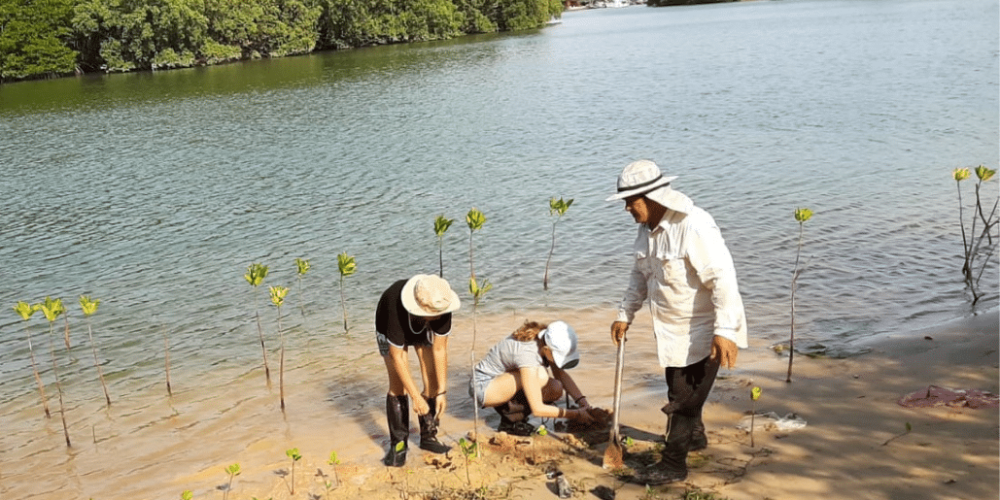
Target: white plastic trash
[(770, 421)]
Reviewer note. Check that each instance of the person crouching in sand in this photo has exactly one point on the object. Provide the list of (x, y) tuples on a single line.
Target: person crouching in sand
[(514, 378), (415, 312)]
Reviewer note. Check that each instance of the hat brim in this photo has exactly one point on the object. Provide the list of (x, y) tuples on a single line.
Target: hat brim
[(663, 181), (410, 301)]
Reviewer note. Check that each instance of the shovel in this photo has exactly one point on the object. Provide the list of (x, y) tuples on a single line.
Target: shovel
[(613, 454)]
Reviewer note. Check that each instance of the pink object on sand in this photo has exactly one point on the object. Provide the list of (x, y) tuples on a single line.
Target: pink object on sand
[(935, 396)]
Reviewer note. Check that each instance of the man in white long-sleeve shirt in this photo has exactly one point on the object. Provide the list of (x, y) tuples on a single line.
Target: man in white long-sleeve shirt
[(683, 267)]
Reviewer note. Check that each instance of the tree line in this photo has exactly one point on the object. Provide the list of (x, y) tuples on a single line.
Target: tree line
[(47, 38)]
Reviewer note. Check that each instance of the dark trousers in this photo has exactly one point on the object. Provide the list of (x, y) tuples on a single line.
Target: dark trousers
[(687, 391)]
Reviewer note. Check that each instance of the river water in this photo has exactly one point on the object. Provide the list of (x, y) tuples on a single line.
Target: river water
[(155, 191)]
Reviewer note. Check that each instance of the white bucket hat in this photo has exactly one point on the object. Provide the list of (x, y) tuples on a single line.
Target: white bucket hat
[(644, 177), (561, 338), (429, 295)]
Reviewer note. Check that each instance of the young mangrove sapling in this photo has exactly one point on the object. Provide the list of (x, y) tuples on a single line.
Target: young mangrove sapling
[(302, 267), (475, 220), (295, 456), (255, 276), (347, 267), (52, 309), (478, 290), (89, 306), (972, 244), (233, 471), (25, 310), (801, 215), (278, 298), (441, 225), (557, 208)]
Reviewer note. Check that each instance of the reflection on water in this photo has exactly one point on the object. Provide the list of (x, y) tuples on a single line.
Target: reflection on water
[(155, 191)]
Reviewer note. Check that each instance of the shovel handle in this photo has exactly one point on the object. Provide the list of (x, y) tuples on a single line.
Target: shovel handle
[(619, 369)]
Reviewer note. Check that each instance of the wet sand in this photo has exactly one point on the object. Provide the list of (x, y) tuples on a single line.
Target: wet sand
[(153, 447)]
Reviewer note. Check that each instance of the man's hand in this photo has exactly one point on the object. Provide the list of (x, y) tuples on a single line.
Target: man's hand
[(420, 404), (724, 351), (618, 329), (442, 404)]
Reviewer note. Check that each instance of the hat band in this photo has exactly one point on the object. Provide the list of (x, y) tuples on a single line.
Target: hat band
[(640, 186)]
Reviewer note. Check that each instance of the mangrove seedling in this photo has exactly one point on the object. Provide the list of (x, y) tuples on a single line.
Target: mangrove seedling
[(232, 471), (278, 298), (557, 208), (89, 306), (52, 309), (255, 276), (347, 267), (972, 244), (754, 396), (302, 267), (909, 428), (478, 290), (295, 456), (441, 225), (469, 449), (801, 216), (166, 360), (475, 220), (25, 310), (187, 495), (334, 462)]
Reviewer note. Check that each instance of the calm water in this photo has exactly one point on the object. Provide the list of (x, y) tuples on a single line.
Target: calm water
[(154, 192)]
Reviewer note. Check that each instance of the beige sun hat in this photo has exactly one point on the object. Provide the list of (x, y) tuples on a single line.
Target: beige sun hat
[(643, 177), (429, 295)]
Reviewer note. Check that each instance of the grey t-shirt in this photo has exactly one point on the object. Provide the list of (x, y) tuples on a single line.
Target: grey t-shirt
[(507, 355)]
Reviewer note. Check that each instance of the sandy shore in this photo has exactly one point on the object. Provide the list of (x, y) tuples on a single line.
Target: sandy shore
[(849, 407)]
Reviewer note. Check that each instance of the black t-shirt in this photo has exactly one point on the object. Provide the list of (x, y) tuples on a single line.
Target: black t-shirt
[(401, 328)]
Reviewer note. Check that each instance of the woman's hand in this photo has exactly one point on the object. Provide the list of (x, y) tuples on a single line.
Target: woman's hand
[(582, 403), (583, 416), (420, 405)]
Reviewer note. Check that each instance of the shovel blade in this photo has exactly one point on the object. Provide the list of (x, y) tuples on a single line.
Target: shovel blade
[(613, 458)]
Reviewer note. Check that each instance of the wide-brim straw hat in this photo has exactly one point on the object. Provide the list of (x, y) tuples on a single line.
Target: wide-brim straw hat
[(561, 339), (643, 177), (429, 295)]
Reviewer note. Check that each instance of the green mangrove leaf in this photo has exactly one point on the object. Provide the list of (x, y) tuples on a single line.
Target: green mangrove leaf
[(984, 173), (755, 393), (559, 207), (88, 305), (302, 265), (803, 214), (441, 225), (52, 308), (346, 264), (960, 174), (475, 219), (255, 274), (278, 294), (25, 310)]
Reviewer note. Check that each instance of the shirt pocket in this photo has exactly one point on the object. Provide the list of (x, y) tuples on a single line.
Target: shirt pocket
[(671, 269)]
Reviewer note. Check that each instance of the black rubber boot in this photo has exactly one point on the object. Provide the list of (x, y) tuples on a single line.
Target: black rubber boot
[(514, 416), (699, 441), (672, 466), (429, 430), (397, 410)]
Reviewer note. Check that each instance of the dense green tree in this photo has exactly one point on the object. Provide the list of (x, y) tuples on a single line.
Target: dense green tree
[(57, 37), (34, 38)]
